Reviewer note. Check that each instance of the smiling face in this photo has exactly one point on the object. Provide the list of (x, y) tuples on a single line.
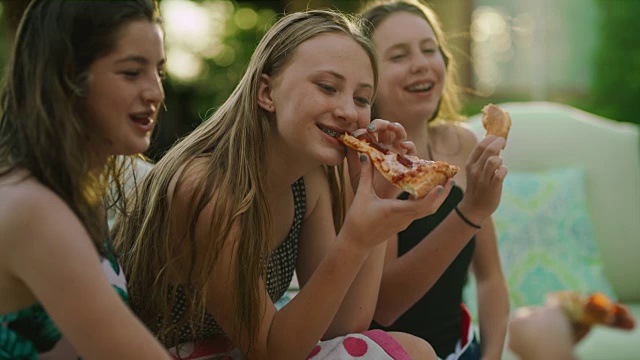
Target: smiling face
[(125, 91), (412, 68), (328, 85)]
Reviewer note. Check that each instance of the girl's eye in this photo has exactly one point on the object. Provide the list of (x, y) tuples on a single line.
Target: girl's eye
[(429, 51), (131, 73), (162, 73), (327, 88), (397, 57), (362, 101)]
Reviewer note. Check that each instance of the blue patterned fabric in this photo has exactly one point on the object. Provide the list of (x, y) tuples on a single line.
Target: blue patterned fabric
[(546, 238)]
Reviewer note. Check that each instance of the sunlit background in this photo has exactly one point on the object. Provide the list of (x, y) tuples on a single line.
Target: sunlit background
[(578, 52)]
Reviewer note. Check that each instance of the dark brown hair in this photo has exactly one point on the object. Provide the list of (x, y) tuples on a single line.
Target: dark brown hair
[(43, 124)]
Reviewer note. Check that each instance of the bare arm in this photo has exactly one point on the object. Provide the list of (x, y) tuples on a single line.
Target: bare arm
[(493, 300), (293, 331), (52, 254), (356, 310), (425, 262)]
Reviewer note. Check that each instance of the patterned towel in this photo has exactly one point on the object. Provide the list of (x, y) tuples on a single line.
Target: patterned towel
[(370, 345)]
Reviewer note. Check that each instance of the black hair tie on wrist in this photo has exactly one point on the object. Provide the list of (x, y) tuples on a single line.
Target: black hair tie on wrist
[(465, 219)]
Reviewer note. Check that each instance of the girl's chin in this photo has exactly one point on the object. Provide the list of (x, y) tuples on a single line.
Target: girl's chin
[(333, 160), (133, 149)]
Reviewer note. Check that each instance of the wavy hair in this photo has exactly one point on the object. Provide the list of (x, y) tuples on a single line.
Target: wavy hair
[(233, 142), (375, 13), (43, 119)]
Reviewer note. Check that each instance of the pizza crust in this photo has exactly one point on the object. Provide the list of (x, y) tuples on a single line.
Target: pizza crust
[(415, 176), (496, 121)]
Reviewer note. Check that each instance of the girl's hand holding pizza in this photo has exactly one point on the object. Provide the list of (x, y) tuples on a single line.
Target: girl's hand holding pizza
[(378, 218), (392, 135), (388, 134)]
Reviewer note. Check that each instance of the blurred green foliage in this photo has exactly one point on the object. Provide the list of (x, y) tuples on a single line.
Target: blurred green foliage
[(616, 85), (222, 72), (190, 102)]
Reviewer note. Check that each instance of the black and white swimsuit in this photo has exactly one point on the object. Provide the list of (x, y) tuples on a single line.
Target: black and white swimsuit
[(279, 272)]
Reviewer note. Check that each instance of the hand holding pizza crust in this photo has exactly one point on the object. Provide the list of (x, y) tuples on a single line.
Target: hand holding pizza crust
[(485, 172)]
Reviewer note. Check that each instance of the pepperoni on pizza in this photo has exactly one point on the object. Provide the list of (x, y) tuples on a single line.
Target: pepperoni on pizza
[(407, 172)]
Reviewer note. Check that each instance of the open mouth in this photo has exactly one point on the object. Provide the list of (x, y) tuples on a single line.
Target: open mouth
[(420, 87), (142, 119), (330, 132)]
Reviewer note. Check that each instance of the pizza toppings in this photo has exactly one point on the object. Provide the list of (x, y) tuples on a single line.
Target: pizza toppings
[(366, 137), (407, 172), (401, 158), (404, 161), (594, 309)]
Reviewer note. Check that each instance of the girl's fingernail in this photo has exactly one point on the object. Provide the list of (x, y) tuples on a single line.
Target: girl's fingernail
[(440, 190), (371, 127), (363, 158)]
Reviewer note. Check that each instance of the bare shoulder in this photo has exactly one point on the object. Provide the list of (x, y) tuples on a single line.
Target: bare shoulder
[(454, 137), (187, 180), (38, 225), (451, 132), (465, 131), (316, 184), (28, 205)]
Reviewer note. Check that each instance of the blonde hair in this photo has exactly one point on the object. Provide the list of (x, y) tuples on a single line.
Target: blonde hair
[(233, 140), (375, 13)]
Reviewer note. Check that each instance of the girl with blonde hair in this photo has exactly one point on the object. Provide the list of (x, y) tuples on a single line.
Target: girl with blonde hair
[(225, 217), (83, 85), (426, 265)]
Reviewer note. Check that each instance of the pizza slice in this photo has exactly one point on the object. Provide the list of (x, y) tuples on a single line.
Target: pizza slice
[(496, 121), (407, 172), (594, 309)]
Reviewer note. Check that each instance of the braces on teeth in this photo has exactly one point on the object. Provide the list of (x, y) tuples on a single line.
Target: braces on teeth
[(329, 132)]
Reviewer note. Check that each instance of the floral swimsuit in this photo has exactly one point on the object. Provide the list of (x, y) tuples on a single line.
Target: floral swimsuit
[(31, 334)]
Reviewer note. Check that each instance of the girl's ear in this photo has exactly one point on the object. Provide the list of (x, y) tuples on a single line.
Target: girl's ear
[(265, 101)]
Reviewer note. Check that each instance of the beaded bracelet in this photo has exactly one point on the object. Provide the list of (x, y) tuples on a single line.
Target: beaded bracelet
[(465, 219)]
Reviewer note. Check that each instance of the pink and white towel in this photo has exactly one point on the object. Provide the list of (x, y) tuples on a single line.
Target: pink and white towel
[(370, 345)]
